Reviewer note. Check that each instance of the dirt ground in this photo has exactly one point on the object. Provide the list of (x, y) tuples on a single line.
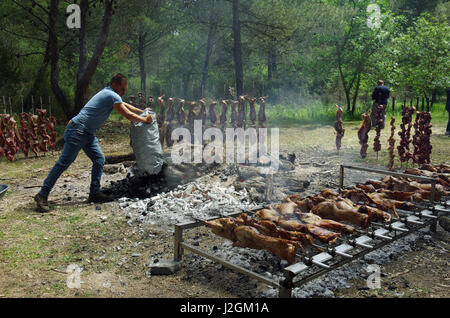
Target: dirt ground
[(38, 252)]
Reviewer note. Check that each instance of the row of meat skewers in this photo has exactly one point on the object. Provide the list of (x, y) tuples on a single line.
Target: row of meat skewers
[(287, 228), (36, 133), (239, 113), (421, 141)]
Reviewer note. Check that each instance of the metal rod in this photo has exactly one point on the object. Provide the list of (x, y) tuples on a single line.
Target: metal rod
[(397, 174), (232, 266)]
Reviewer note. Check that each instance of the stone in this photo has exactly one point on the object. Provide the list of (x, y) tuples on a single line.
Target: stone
[(165, 267)]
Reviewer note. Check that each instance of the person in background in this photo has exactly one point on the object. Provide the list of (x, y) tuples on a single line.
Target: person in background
[(380, 96), (79, 134)]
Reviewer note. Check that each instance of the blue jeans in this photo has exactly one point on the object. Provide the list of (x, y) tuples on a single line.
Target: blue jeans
[(76, 138)]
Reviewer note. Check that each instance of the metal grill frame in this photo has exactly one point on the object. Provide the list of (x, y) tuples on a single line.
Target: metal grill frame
[(409, 223)]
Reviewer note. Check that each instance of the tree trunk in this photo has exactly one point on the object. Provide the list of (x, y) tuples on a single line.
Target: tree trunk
[(143, 72), (185, 86), (54, 56), (271, 63), (85, 77), (209, 44), (238, 65), (41, 78), (344, 85), (356, 93)]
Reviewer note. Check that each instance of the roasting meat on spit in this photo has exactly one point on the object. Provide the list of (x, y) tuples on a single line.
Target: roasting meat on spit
[(161, 118), (43, 122), (421, 139), (212, 114), (391, 148), (250, 237), (262, 119), (253, 115), (379, 125), (363, 134), (405, 134), (242, 112), (338, 126), (234, 114), (223, 115)]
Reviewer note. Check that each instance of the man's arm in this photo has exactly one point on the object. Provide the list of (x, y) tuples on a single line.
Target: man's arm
[(122, 109), (133, 109)]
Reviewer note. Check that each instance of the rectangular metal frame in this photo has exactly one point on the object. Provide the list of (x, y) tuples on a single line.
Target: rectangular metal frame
[(409, 222)]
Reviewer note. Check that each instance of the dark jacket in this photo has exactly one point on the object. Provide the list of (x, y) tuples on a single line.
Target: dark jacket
[(381, 94), (448, 100)]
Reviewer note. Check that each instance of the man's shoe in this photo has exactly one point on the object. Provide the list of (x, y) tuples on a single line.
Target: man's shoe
[(447, 133), (42, 203), (100, 197)]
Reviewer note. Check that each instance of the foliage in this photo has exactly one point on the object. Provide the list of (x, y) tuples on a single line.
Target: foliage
[(298, 53)]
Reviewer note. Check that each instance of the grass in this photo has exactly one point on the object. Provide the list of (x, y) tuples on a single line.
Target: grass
[(317, 113)]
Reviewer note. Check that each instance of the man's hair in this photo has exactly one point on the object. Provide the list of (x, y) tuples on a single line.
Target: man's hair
[(380, 82), (118, 79)]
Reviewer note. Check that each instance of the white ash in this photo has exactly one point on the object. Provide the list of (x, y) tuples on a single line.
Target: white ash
[(193, 201)]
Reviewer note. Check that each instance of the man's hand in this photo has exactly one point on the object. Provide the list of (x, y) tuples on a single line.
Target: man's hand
[(149, 119)]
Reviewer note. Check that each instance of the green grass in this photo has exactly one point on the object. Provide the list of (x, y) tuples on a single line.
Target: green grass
[(317, 113)]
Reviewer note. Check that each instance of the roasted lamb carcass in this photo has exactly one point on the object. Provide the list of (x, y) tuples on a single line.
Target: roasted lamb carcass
[(262, 119), (270, 228), (247, 236), (234, 114), (310, 218), (223, 227), (161, 118), (363, 134), (341, 211), (380, 212), (181, 113), (192, 116), (308, 226), (212, 114), (203, 114), (441, 168), (242, 112), (253, 115), (358, 196), (170, 110), (338, 126), (223, 115)]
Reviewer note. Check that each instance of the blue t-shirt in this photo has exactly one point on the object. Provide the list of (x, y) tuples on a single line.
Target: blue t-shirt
[(98, 109)]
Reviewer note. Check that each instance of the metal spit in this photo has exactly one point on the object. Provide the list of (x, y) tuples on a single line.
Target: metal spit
[(345, 250)]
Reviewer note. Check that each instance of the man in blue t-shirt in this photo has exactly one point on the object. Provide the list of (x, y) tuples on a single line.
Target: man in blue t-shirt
[(79, 135)]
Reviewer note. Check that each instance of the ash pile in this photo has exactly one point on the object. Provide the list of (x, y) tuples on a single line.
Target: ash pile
[(197, 200)]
